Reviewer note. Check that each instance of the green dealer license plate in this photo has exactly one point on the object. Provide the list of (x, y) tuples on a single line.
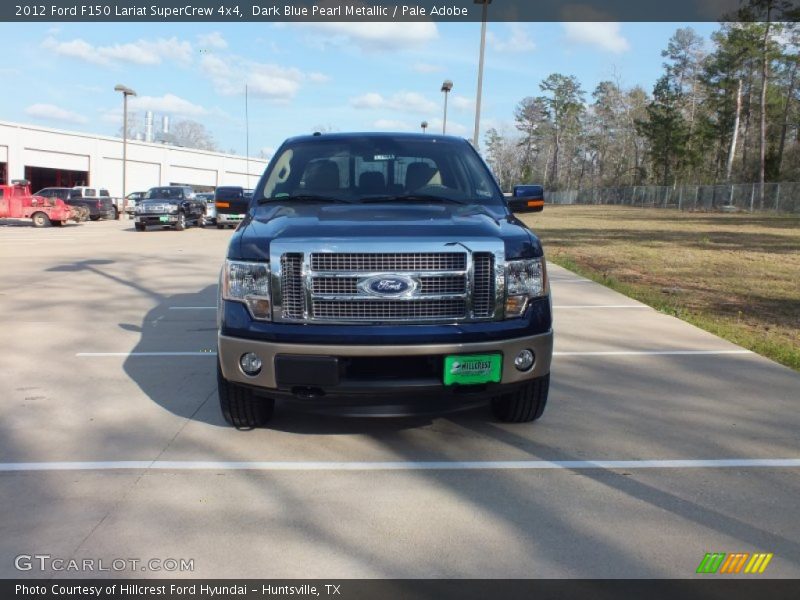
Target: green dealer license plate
[(472, 369), (163, 219)]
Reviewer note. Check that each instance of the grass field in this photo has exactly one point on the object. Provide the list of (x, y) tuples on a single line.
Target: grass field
[(735, 275)]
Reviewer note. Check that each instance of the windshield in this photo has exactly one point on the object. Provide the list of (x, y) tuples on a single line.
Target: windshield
[(164, 193), (379, 168)]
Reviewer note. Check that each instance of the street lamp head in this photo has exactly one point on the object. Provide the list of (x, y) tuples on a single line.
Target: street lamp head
[(124, 89), (447, 86)]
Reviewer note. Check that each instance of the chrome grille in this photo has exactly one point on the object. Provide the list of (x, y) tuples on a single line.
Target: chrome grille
[(390, 310), (389, 262), (293, 298), (483, 284), (448, 284)]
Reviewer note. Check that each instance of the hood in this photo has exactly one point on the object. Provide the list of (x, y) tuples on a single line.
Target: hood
[(341, 221)]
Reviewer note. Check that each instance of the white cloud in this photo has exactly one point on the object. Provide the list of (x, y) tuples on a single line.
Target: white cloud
[(169, 104), (401, 101), (212, 40), (461, 103), (229, 75), (426, 68), (267, 152), (374, 36), (519, 39), (140, 52), (453, 127), (318, 78), (391, 125), (605, 36), (51, 112)]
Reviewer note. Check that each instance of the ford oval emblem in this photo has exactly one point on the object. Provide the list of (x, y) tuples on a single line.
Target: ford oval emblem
[(390, 286)]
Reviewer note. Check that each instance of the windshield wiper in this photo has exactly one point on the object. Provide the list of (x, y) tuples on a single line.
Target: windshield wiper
[(305, 198), (412, 198)]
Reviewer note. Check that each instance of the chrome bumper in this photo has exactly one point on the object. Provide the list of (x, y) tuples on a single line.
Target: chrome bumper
[(231, 349)]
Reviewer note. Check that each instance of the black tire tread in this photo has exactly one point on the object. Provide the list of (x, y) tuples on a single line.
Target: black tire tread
[(524, 404), (240, 406)]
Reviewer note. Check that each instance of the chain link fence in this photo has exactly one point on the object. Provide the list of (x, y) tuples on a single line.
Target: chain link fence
[(739, 197)]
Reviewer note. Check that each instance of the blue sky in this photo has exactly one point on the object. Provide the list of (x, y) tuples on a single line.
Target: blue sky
[(349, 77)]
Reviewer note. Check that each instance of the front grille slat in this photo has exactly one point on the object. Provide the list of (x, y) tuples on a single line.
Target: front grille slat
[(428, 286), (390, 310), (293, 297), (483, 284), (389, 262)]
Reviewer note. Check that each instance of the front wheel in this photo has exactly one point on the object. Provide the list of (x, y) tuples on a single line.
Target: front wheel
[(523, 404), (201, 221), (180, 224), (40, 219), (140, 226), (94, 218), (220, 226), (240, 406)]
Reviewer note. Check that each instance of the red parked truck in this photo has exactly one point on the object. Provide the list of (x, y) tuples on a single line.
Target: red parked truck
[(17, 202)]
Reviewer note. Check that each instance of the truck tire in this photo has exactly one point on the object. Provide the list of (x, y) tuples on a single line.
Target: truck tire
[(116, 214), (220, 226), (240, 406), (201, 221), (140, 226), (180, 224), (524, 404), (40, 219), (94, 218)]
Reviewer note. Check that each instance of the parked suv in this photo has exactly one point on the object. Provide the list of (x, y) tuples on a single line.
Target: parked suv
[(170, 206), (232, 203), (382, 273)]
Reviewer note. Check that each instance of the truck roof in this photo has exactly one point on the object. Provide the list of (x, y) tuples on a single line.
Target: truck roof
[(403, 135)]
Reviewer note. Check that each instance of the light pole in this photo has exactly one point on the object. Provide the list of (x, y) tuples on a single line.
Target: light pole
[(126, 91), (446, 87), (424, 126), (475, 135)]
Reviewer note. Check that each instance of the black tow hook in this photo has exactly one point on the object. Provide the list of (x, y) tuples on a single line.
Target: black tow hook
[(308, 393)]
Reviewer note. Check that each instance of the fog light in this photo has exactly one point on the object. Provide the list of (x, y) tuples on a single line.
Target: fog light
[(524, 360), (250, 363)]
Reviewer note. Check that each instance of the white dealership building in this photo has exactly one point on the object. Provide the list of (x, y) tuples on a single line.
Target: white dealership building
[(53, 157)]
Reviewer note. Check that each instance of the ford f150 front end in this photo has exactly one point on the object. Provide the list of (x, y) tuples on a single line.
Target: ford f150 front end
[(382, 273)]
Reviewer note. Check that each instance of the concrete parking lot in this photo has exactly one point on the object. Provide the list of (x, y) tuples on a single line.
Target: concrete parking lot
[(660, 442)]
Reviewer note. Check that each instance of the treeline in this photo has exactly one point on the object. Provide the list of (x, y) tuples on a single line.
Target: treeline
[(725, 110)]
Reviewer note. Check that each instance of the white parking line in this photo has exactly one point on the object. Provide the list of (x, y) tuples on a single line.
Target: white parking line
[(654, 353), (135, 354), (438, 465)]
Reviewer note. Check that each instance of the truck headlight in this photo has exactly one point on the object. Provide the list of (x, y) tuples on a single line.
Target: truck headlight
[(248, 283), (525, 280)]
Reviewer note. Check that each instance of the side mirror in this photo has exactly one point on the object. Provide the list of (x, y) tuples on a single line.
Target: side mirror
[(526, 204), (527, 197)]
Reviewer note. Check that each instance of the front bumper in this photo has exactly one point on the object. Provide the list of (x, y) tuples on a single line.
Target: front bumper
[(158, 219), (229, 219), (409, 386)]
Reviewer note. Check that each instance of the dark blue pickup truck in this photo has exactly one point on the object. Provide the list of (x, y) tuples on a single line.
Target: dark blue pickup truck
[(383, 274)]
